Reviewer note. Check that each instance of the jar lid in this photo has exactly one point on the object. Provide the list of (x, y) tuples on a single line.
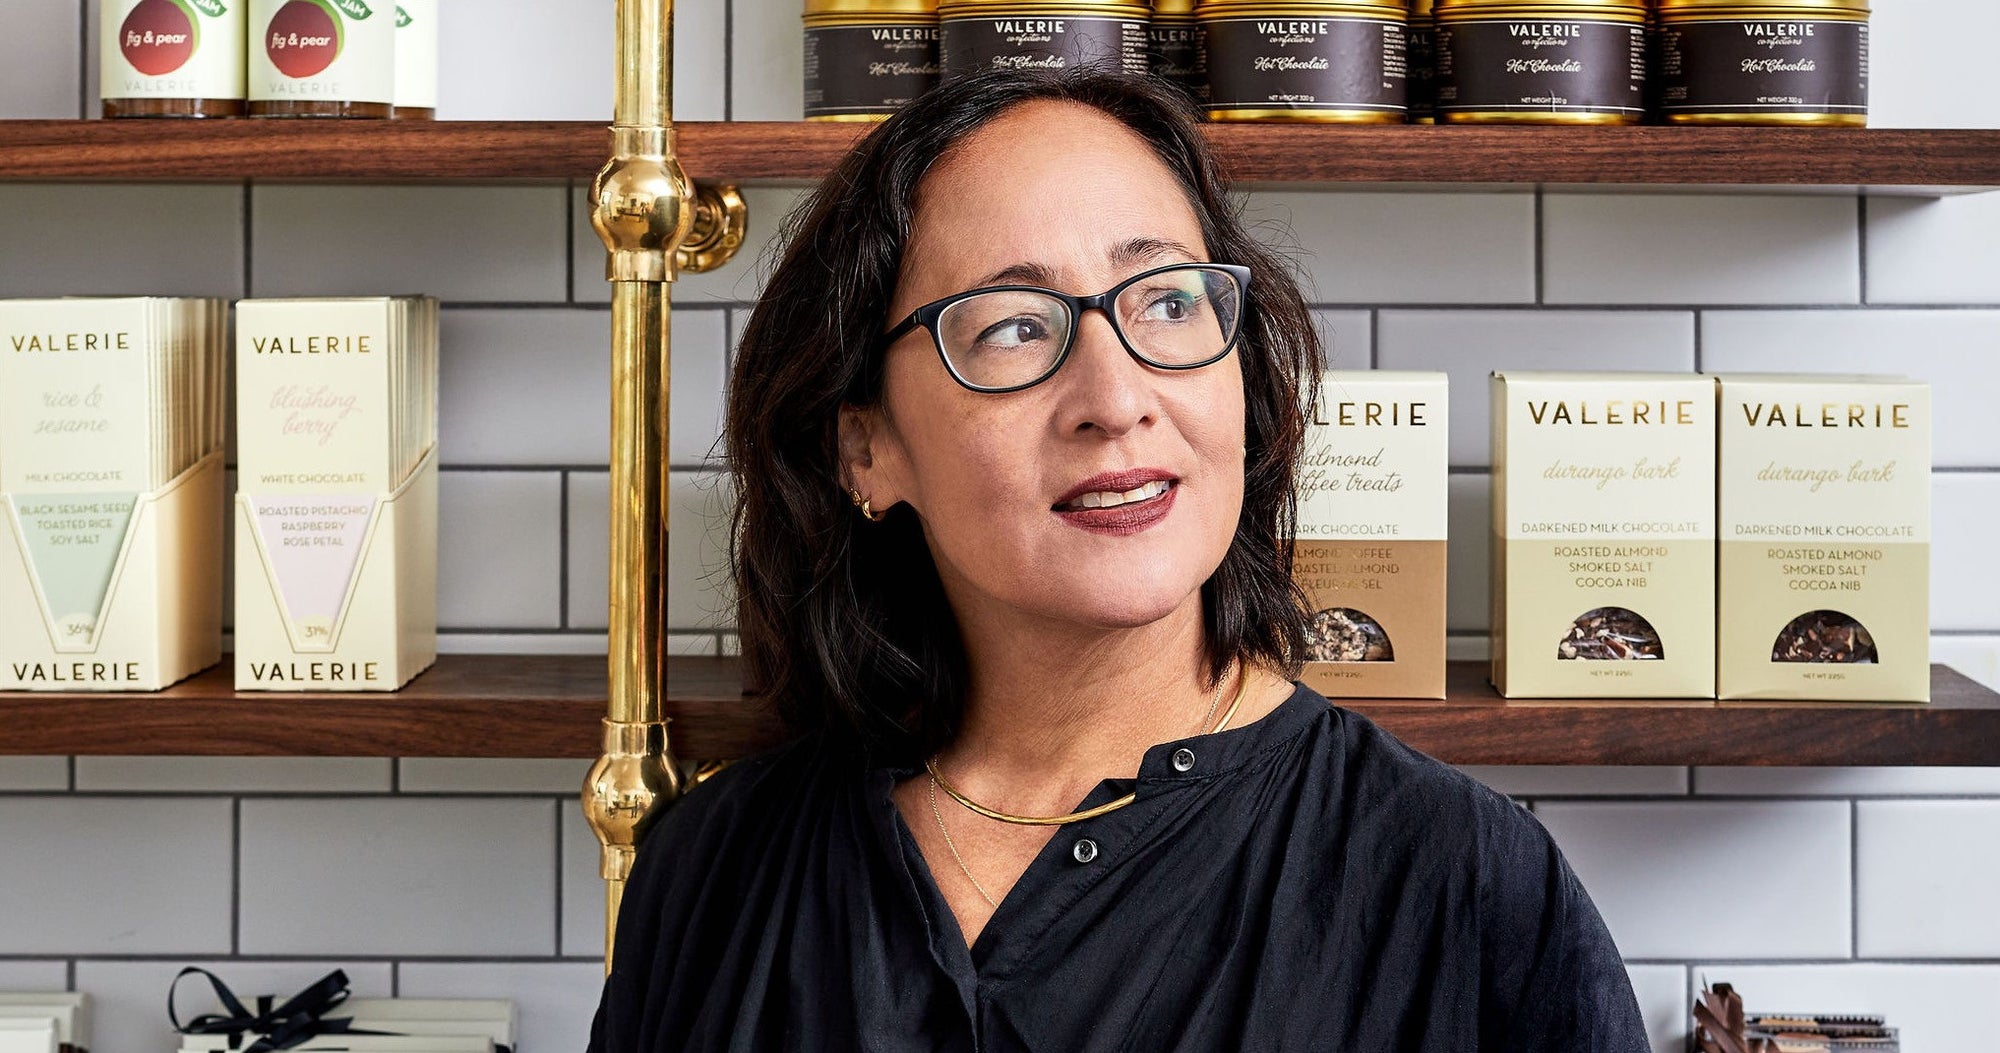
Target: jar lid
[(1766, 8), (871, 7), (1305, 8), (1045, 8), (1538, 8), (1174, 7)]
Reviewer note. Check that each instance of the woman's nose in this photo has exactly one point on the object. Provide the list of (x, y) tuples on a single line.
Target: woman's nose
[(1105, 387)]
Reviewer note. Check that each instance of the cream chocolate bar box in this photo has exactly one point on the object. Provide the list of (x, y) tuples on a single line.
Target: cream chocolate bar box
[(1370, 545), (111, 492), (1604, 535), (1825, 523), (336, 504)]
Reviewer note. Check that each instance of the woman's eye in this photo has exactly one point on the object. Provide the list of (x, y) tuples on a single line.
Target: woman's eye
[(1171, 307), (1014, 332)]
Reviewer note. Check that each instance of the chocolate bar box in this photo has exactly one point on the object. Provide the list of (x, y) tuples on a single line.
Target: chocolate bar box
[(1825, 506), (1603, 535)]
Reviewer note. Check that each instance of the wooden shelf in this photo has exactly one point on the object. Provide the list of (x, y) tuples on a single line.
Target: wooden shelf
[(1906, 161), (515, 706)]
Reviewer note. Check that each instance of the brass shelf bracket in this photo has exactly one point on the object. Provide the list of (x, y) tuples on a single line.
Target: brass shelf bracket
[(655, 223)]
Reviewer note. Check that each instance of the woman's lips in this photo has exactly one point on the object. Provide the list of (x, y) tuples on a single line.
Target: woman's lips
[(1122, 519)]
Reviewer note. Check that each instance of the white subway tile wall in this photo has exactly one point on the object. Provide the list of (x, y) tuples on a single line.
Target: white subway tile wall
[(479, 878)]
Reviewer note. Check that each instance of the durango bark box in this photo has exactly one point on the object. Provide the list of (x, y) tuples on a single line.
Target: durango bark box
[(1603, 535), (1826, 529), (1371, 535)]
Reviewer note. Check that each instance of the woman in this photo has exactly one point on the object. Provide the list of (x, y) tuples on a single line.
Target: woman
[(1014, 429)]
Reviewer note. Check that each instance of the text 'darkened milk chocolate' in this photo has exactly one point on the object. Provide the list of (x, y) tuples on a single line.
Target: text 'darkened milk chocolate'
[(1604, 535), (1825, 522), (1748, 62), (1306, 61), (1177, 54), (978, 35), (163, 58), (864, 59), (1547, 62), (1370, 550)]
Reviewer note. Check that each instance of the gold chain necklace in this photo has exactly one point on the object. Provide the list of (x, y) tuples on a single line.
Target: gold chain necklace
[(1074, 817)]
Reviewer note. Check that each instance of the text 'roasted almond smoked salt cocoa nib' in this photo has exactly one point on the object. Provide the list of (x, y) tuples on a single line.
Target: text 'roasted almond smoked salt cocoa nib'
[(1825, 499), (1603, 535), (1370, 552)]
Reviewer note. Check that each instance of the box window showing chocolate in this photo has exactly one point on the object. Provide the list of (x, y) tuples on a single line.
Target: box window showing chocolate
[(1825, 523), (1604, 535), (1371, 535)]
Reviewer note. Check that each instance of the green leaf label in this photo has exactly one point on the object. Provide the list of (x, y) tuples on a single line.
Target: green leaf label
[(402, 17), (357, 10), (211, 8)]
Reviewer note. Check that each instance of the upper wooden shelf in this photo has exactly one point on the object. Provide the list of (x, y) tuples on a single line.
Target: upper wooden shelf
[(1904, 161), (515, 706)]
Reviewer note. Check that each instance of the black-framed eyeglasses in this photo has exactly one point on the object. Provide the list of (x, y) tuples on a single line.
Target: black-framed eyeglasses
[(1008, 337)]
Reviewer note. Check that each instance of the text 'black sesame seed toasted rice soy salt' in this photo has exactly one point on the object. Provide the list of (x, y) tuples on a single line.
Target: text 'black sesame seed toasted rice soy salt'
[(1825, 491), (1603, 535), (1372, 507)]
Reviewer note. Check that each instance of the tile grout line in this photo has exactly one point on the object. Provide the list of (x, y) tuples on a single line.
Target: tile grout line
[(235, 876), (558, 812), (83, 60), (1853, 878), (1861, 243), (1541, 246), (1375, 339), (569, 242), (248, 212), (562, 553), (1697, 341), (729, 60)]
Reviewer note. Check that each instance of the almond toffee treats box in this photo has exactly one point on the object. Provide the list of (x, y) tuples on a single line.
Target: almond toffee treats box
[(336, 503), (1371, 535), (1826, 529), (1603, 535)]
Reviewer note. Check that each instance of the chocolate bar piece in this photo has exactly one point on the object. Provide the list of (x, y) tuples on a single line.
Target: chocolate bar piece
[(1611, 634), (1342, 634), (1824, 636)]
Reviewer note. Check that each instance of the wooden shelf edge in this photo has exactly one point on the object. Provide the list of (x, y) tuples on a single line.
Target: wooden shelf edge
[(550, 706), (1897, 161)]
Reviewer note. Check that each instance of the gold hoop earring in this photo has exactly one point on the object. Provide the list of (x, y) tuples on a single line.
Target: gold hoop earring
[(862, 503)]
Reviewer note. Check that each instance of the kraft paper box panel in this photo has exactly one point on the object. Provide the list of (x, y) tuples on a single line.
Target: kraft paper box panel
[(1372, 493), (336, 533), (1604, 535), (1825, 524), (109, 582)]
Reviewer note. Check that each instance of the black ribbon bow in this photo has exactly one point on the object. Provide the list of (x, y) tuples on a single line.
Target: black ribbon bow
[(299, 1018)]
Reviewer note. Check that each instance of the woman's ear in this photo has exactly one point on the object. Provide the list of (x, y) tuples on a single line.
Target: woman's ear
[(862, 435)]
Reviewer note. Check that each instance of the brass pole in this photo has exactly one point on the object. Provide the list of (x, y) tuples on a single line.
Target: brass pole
[(645, 210)]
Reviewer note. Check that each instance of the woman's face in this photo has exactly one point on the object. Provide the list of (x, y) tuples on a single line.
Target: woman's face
[(1061, 196)]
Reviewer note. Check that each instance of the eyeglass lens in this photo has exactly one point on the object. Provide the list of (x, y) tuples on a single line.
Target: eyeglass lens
[(1175, 318)]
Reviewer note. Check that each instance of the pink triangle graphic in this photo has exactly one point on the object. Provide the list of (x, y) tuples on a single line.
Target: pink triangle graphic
[(313, 545)]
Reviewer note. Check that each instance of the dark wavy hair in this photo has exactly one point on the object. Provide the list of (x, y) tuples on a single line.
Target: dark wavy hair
[(844, 624)]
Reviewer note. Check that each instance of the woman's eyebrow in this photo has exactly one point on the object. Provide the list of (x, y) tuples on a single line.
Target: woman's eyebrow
[(1125, 254)]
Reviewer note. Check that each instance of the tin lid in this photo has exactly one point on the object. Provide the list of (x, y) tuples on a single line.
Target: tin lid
[(1538, 8), (1181, 8), (1420, 8), (1765, 8), (1305, 8), (871, 7), (1044, 8)]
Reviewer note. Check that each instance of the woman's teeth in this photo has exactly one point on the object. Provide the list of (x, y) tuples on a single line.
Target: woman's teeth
[(1112, 498)]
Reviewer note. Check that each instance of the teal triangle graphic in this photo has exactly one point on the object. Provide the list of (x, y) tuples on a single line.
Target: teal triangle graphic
[(73, 541)]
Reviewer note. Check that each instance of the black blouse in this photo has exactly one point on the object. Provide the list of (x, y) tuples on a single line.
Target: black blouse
[(1304, 882)]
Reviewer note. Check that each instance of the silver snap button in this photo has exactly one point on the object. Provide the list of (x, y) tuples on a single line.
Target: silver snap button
[(1085, 850), (1183, 760)]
